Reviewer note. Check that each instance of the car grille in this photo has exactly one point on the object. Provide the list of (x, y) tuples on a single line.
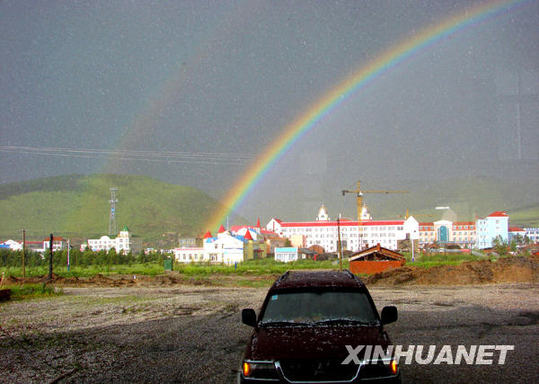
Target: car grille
[(318, 370)]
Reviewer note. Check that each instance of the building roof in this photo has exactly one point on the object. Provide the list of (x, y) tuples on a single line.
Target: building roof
[(207, 235), (221, 229), (248, 235), (237, 228), (498, 214), (54, 238), (381, 253), (342, 223), (516, 229)]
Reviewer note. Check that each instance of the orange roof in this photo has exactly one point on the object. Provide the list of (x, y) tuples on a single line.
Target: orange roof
[(516, 229), (377, 249), (54, 238), (498, 214)]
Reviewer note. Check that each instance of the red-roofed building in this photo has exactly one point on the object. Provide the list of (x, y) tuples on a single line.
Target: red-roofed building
[(443, 232), (517, 233), (58, 243), (375, 259), (498, 214), (495, 225), (324, 232)]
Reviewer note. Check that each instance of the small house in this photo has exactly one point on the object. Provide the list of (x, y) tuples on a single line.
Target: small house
[(375, 259)]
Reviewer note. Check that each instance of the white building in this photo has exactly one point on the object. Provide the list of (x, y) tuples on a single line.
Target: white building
[(12, 245), (494, 225), (354, 237), (286, 254), (58, 243), (226, 247), (532, 234), (121, 243), (190, 254)]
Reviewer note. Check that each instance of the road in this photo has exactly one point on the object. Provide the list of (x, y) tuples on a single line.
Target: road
[(193, 334)]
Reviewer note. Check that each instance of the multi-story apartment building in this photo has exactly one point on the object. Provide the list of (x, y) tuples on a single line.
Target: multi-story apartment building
[(532, 234), (354, 235), (124, 242), (494, 225), (444, 232)]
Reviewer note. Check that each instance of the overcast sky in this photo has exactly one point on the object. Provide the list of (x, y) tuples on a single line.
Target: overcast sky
[(208, 85)]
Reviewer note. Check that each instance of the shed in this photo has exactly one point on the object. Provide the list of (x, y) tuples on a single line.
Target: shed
[(375, 259)]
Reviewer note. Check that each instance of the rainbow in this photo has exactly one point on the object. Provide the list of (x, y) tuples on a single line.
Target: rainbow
[(356, 81)]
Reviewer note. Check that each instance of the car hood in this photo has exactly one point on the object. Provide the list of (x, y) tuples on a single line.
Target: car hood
[(299, 342)]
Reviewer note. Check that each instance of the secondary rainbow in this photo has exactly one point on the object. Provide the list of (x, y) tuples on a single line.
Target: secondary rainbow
[(357, 80)]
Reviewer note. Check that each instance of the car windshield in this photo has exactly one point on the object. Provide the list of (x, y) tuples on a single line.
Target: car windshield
[(319, 307)]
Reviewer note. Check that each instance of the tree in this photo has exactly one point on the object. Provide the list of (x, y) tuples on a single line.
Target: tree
[(500, 246)]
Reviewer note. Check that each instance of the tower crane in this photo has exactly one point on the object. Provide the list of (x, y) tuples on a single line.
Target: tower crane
[(359, 196)]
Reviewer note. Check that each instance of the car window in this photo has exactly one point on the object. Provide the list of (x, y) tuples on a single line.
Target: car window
[(319, 306)]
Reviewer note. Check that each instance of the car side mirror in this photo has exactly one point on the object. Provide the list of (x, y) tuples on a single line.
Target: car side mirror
[(248, 317), (389, 314)]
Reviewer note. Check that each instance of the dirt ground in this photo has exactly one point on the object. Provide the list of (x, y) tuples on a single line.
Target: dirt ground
[(175, 329), (504, 270), (189, 334)]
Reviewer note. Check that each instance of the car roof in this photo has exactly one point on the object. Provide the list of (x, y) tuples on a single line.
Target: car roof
[(317, 279)]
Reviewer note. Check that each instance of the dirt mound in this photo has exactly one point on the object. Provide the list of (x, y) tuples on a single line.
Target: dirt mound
[(506, 270), (10, 280)]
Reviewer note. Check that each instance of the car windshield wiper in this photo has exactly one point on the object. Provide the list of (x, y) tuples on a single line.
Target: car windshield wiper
[(346, 321), (281, 323)]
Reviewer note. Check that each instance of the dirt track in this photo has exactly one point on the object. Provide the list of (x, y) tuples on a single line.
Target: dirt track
[(192, 334)]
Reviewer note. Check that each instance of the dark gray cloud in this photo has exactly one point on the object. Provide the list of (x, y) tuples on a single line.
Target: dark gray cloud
[(225, 77)]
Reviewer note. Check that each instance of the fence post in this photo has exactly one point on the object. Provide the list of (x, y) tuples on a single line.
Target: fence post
[(50, 257)]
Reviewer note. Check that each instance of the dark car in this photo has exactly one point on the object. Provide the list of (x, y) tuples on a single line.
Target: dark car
[(307, 326)]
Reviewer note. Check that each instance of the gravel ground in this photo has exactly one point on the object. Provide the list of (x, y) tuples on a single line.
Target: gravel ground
[(193, 334)]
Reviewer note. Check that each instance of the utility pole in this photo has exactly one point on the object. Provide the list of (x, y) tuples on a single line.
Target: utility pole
[(50, 257), (23, 253), (113, 228), (68, 249), (339, 241)]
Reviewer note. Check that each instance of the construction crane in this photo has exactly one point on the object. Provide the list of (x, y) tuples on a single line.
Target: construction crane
[(359, 196)]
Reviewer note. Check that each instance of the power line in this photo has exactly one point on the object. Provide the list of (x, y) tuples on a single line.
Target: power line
[(133, 155)]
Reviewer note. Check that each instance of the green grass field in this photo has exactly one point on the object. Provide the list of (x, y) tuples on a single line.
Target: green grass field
[(31, 291), (150, 269), (435, 259), (205, 271)]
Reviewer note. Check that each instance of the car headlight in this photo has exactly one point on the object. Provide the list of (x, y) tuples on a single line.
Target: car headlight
[(259, 369), (394, 366), (379, 369)]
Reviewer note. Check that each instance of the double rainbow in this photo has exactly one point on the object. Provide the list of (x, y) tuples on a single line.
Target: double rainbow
[(357, 80)]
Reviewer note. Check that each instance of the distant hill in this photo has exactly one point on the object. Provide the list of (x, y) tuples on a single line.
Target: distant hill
[(525, 216), (78, 206)]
